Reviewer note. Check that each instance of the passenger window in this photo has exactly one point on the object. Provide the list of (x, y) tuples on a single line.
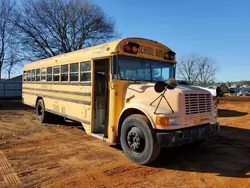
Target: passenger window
[(85, 71), (64, 73), (38, 74), (49, 74), (29, 76), (33, 75), (74, 69), (24, 76), (43, 74), (56, 74)]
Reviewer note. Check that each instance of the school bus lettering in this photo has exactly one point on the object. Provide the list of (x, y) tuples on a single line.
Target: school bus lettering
[(116, 94), (63, 109), (56, 107), (147, 50), (160, 53)]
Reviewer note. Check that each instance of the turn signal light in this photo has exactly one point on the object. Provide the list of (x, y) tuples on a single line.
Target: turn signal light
[(164, 121), (131, 47)]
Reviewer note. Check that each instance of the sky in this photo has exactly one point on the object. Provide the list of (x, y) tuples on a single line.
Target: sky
[(216, 28)]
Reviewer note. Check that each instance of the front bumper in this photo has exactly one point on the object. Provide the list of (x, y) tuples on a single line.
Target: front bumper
[(188, 135)]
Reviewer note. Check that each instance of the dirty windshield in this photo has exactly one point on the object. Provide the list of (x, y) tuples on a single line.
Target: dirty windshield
[(144, 70)]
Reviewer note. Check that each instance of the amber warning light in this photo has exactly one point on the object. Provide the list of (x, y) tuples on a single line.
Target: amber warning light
[(131, 47)]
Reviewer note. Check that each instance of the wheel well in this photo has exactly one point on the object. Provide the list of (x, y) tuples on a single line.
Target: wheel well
[(37, 99), (125, 114)]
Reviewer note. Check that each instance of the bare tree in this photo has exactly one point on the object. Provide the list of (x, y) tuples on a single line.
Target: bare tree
[(6, 29), (196, 70), (188, 68), (52, 27), (14, 59), (207, 71)]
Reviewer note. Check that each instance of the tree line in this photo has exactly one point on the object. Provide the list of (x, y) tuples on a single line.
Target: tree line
[(38, 29), (197, 70), (237, 83)]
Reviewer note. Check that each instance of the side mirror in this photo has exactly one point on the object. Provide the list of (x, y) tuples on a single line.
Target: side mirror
[(160, 86), (221, 90), (171, 83)]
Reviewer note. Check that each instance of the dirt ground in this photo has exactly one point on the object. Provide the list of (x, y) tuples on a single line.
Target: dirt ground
[(62, 155)]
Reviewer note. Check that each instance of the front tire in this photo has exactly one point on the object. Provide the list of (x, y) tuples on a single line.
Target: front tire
[(138, 139), (41, 114)]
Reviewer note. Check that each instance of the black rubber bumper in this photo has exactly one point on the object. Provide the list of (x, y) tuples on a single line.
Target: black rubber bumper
[(187, 135)]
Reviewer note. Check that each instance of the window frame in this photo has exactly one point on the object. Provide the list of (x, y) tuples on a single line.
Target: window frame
[(61, 73), (57, 74), (118, 77), (74, 72), (39, 75), (29, 76), (45, 74), (84, 72), (33, 73), (49, 74)]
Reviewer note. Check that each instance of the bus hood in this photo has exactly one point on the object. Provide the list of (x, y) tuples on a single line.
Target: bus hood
[(144, 94), (148, 89)]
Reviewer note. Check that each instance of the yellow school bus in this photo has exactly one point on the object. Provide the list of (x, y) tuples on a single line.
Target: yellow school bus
[(123, 92)]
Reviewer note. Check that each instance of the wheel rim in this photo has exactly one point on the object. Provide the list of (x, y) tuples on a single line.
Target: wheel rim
[(135, 140), (39, 111)]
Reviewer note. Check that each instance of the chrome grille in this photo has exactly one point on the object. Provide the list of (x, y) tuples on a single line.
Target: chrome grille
[(198, 103)]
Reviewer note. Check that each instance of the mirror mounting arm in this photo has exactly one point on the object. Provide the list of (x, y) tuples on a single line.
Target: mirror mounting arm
[(162, 95), (218, 100)]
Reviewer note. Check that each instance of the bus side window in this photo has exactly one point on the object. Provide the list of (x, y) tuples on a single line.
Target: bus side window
[(65, 73), (49, 74), (56, 74), (33, 75), (43, 74), (38, 75), (74, 69), (85, 71), (28, 75), (24, 76)]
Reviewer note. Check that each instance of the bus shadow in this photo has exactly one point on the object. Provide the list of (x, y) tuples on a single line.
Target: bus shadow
[(226, 154), (230, 113), (58, 120), (13, 105)]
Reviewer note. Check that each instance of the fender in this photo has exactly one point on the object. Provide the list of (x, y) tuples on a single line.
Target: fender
[(144, 108)]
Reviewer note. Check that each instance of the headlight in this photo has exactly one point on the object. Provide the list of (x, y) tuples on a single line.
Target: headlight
[(166, 121), (173, 121)]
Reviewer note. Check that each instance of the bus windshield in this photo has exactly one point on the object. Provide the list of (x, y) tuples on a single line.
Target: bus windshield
[(144, 70)]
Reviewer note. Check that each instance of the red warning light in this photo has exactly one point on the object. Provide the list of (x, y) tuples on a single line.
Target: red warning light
[(131, 47), (127, 48), (170, 55)]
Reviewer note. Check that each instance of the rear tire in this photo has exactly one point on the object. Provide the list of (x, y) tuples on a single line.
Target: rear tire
[(138, 139), (41, 114)]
